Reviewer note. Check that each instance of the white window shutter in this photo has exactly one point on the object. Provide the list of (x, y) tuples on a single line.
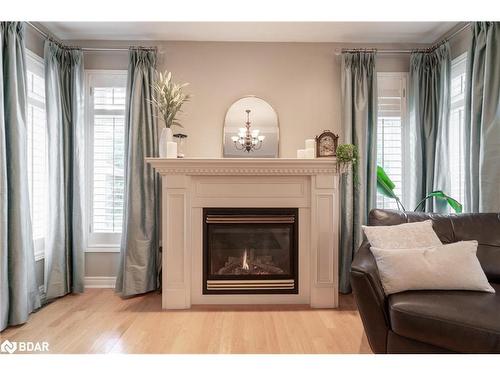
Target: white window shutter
[(37, 150), (106, 153), (391, 113), (456, 133)]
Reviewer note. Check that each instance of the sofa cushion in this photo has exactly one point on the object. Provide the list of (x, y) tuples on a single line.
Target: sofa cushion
[(482, 227), (402, 236), (446, 267), (461, 321)]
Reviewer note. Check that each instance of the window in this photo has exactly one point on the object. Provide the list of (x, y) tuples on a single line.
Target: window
[(105, 157), (391, 133), (36, 126), (456, 133)]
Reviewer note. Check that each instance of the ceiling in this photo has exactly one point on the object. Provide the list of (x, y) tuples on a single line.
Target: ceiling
[(341, 32)]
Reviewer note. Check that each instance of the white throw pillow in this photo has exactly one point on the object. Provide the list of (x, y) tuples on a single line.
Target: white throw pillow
[(450, 267), (402, 236)]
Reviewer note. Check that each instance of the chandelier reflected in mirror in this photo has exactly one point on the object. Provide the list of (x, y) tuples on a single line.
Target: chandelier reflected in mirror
[(248, 140)]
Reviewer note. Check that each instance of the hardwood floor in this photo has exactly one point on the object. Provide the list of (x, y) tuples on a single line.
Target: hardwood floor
[(99, 321)]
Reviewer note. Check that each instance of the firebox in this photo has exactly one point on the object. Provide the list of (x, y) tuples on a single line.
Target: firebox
[(250, 251)]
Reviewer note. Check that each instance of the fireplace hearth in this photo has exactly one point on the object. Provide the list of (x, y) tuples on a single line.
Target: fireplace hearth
[(250, 251)]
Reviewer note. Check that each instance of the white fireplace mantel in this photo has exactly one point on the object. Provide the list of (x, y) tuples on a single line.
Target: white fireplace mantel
[(191, 184), (203, 166)]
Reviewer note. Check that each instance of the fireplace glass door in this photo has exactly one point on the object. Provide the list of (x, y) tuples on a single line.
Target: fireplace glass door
[(250, 251)]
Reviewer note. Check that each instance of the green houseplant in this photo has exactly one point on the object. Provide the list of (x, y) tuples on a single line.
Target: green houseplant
[(385, 186), (347, 154), (168, 98)]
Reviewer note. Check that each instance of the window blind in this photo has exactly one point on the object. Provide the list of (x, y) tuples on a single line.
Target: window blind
[(456, 133), (36, 125), (108, 158), (391, 114)]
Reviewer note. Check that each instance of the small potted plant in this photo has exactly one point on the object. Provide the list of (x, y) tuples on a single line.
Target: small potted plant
[(347, 155), (168, 97)]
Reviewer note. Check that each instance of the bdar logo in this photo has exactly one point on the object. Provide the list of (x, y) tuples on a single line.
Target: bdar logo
[(24, 346), (8, 347)]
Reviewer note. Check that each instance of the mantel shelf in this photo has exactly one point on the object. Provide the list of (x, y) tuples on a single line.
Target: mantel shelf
[(241, 166)]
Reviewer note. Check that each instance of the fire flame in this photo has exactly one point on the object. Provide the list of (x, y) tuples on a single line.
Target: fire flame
[(244, 264)]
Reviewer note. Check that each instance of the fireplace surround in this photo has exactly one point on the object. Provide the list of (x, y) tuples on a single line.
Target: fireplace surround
[(191, 185), (250, 250)]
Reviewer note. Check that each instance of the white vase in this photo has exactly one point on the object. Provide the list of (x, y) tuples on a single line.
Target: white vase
[(165, 138)]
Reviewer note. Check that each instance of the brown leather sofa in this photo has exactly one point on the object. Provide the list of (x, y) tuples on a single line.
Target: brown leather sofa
[(432, 321)]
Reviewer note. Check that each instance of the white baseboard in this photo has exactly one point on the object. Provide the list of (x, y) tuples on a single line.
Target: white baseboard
[(100, 282)]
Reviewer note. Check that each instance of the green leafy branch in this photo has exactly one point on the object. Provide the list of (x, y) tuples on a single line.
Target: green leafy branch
[(385, 186)]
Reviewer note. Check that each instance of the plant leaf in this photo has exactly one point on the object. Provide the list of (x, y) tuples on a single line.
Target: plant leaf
[(385, 186), (438, 194)]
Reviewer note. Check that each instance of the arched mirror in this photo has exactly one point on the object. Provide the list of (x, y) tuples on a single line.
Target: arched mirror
[(251, 129)]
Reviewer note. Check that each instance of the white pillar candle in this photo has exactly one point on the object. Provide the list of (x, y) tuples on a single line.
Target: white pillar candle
[(301, 154), (310, 153), (310, 143), (171, 150)]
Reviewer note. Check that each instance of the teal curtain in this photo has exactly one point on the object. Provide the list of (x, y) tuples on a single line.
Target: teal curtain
[(139, 254), (429, 103), (64, 251), (18, 289), (482, 120), (358, 187)]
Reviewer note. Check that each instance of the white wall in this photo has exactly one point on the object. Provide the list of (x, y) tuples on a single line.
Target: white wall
[(300, 80), (460, 43), (33, 41)]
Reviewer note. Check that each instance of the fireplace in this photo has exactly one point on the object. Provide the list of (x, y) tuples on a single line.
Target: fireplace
[(191, 184), (250, 251)]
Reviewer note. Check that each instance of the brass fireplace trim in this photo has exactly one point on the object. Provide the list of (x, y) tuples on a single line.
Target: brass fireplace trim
[(250, 284), (221, 219)]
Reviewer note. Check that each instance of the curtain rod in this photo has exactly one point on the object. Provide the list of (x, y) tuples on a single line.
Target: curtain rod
[(404, 51), (88, 49), (338, 52)]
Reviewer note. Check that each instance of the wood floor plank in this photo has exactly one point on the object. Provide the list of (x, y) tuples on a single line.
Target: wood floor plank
[(99, 321)]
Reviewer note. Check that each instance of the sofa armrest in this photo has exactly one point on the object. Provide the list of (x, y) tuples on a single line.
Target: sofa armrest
[(370, 298)]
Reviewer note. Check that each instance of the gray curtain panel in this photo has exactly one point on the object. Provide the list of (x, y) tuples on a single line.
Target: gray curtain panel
[(359, 118), (482, 120), (18, 290), (429, 103), (139, 253), (64, 262)]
